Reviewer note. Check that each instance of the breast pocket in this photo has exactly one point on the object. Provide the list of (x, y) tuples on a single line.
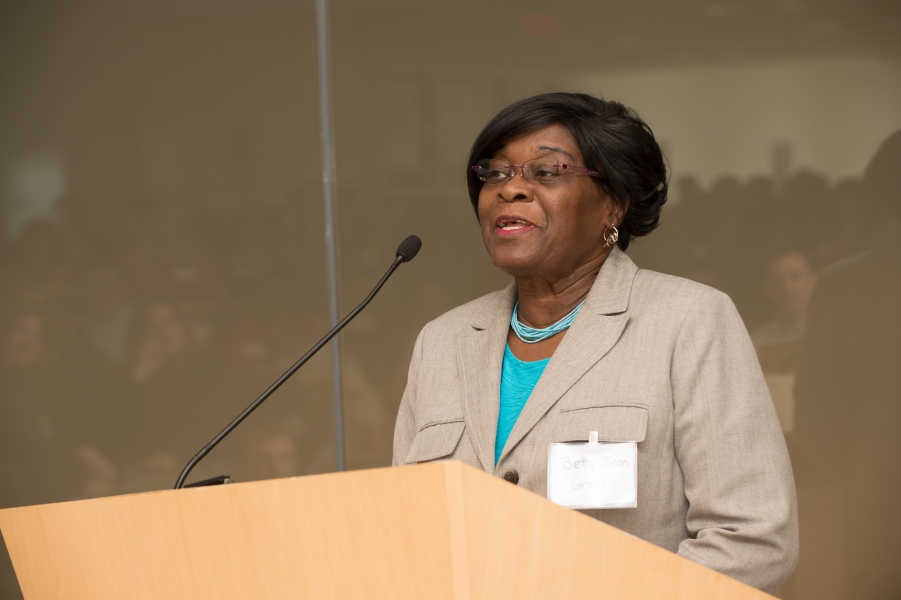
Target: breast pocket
[(620, 423), (435, 440)]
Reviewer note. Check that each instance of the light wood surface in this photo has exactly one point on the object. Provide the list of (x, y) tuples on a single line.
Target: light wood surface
[(431, 531)]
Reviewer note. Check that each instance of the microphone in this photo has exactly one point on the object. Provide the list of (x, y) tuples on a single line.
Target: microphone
[(406, 252)]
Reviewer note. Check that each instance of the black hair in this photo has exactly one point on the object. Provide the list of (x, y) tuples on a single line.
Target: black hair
[(612, 139)]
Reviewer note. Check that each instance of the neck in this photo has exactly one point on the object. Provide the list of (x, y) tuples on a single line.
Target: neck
[(543, 302)]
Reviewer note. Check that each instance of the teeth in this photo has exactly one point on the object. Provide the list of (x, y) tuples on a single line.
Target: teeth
[(513, 224)]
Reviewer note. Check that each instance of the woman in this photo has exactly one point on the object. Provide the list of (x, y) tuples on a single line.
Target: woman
[(561, 184)]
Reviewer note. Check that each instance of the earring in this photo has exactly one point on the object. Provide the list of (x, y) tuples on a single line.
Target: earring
[(611, 238)]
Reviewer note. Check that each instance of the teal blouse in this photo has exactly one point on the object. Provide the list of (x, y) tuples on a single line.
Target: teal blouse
[(518, 379)]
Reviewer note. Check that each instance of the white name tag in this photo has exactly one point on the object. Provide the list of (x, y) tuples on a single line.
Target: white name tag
[(593, 475)]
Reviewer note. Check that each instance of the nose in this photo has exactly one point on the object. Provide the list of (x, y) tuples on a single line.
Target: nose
[(515, 189)]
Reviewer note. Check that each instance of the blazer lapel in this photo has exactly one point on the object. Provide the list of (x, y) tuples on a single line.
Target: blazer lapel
[(594, 332), (480, 355)]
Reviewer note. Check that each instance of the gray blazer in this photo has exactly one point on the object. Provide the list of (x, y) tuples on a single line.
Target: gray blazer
[(650, 358)]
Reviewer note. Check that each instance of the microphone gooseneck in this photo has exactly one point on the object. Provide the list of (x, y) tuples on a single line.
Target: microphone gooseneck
[(405, 253)]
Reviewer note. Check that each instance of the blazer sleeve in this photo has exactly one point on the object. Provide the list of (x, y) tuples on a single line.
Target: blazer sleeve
[(405, 427), (742, 513)]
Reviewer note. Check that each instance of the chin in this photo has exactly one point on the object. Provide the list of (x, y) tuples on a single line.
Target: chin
[(516, 266), (514, 256)]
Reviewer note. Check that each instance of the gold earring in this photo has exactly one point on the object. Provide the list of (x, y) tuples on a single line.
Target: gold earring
[(610, 238)]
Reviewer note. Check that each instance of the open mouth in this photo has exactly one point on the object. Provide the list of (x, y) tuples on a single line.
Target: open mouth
[(510, 224)]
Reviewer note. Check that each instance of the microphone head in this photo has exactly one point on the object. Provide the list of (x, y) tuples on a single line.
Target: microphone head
[(409, 248)]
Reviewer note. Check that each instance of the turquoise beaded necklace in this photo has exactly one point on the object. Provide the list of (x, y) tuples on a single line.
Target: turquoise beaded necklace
[(530, 335)]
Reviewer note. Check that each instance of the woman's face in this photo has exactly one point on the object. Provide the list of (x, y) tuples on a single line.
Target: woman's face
[(546, 231)]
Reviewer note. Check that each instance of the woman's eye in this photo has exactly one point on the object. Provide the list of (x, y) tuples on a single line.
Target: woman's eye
[(545, 173), (495, 175)]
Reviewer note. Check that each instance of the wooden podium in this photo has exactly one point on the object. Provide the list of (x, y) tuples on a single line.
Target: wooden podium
[(431, 531)]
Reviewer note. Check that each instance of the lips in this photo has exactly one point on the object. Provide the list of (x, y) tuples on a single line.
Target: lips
[(512, 225)]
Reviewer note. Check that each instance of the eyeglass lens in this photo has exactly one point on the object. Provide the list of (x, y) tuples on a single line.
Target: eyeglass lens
[(496, 171)]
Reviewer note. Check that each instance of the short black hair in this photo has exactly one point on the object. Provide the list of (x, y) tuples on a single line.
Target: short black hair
[(612, 139)]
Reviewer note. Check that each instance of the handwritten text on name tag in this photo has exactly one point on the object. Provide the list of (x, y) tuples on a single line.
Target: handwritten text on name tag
[(593, 475)]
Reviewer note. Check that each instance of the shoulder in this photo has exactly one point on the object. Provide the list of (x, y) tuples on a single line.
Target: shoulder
[(651, 289), (667, 303), (849, 271), (848, 292), (859, 274)]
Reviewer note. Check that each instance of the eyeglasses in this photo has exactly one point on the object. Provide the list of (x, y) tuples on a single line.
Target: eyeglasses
[(540, 170)]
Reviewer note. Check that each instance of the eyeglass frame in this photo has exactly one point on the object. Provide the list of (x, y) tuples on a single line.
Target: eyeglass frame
[(522, 171)]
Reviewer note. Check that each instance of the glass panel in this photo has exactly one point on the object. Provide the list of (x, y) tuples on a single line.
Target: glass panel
[(768, 114), (161, 256)]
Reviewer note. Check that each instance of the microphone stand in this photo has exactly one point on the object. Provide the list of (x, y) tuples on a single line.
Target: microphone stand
[(404, 254)]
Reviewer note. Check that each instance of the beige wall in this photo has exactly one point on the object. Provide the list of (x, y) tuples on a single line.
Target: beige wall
[(727, 120)]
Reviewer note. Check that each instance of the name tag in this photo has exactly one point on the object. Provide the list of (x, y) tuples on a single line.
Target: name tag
[(593, 475)]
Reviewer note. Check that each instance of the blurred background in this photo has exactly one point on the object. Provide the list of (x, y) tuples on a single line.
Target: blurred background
[(162, 230)]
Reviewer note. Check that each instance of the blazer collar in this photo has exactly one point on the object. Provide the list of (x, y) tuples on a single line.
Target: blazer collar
[(496, 310), (480, 354), (611, 290)]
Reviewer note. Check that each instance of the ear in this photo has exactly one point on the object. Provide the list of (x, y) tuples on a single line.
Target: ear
[(617, 211)]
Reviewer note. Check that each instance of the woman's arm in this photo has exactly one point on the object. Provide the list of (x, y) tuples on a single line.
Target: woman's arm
[(742, 512), (405, 428)]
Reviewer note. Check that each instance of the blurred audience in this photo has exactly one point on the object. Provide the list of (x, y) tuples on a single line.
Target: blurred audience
[(790, 281), (272, 450), (129, 340), (38, 427), (849, 389), (109, 314)]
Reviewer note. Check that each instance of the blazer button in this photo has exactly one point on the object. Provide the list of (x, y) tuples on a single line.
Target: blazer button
[(512, 476)]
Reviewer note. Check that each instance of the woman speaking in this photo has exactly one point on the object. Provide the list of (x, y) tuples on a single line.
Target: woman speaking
[(584, 344)]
